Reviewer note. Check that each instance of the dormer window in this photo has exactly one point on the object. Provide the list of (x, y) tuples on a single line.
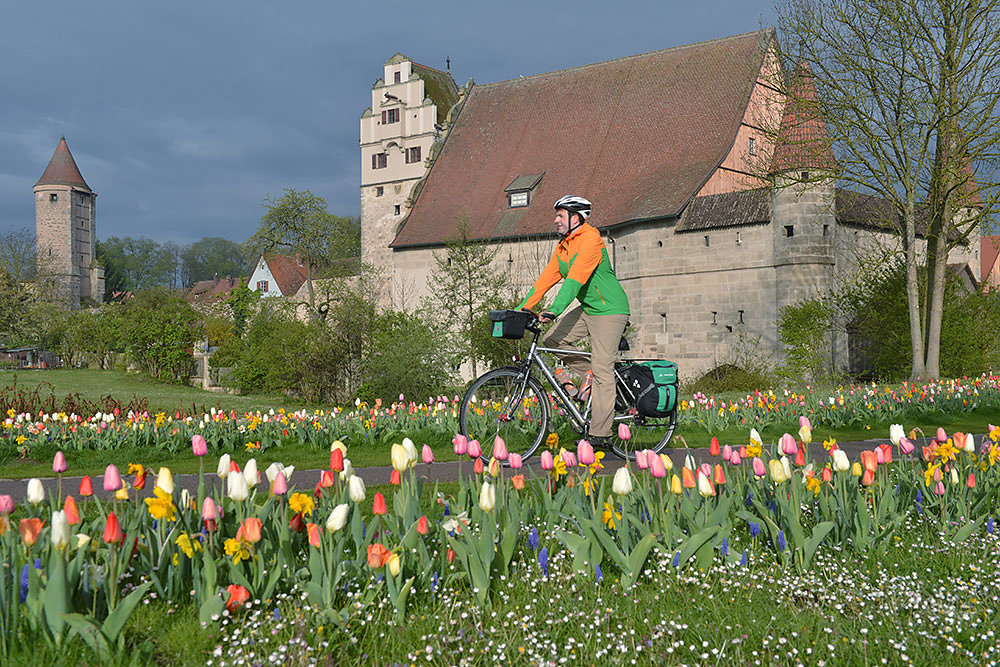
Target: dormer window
[(390, 116), (395, 77), (519, 190)]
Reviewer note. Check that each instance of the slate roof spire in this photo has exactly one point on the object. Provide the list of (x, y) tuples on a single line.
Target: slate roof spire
[(802, 139), (62, 169)]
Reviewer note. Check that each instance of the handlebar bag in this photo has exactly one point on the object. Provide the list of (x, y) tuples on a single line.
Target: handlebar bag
[(508, 323), (654, 384)]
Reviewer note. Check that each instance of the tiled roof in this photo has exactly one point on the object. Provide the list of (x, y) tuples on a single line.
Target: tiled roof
[(746, 207), (213, 289), (802, 138), (989, 250), (62, 169), (288, 272), (638, 136), (439, 86)]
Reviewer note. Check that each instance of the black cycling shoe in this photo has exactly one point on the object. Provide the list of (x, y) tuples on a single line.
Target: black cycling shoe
[(600, 442)]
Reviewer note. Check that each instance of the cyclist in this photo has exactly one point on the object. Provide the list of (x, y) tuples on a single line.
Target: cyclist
[(581, 261)]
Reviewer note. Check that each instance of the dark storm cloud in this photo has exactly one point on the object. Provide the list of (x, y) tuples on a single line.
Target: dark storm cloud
[(184, 115)]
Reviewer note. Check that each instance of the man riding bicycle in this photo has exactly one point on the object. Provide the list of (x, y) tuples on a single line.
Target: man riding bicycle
[(581, 261)]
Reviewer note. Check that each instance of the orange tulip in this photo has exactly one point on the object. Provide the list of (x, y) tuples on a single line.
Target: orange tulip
[(720, 476), (886, 452), (237, 597), (112, 530), (478, 466), (378, 506), (378, 555), (326, 478), (30, 529), (869, 477), (86, 487), (869, 460), (314, 533), (72, 513), (826, 474), (971, 482), (517, 481), (394, 478), (422, 526), (687, 477), (249, 530)]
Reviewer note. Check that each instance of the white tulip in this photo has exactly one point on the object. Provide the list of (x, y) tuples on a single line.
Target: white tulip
[(487, 497), (82, 540), (896, 433), (236, 488), (338, 517), (622, 484), (755, 438), (348, 470), (36, 493), (250, 474), (411, 451), (786, 464), (356, 489), (840, 461), (970, 443), (400, 458), (272, 471), (60, 529), (954, 475), (223, 469), (185, 499)]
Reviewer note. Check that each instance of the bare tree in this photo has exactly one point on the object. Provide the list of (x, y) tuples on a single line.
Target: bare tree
[(17, 254)]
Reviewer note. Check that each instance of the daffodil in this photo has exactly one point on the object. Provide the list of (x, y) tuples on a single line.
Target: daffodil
[(813, 484), (609, 516), (596, 465), (301, 504), (929, 473), (552, 441), (558, 468), (187, 545), (238, 549), (161, 505)]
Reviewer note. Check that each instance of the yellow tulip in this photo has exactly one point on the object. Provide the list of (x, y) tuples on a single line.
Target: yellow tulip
[(777, 471), (667, 463), (400, 459), (675, 485), (394, 564), (856, 469), (165, 480)]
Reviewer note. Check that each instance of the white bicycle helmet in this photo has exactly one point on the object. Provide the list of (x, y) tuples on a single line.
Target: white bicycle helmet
[(574, 204)]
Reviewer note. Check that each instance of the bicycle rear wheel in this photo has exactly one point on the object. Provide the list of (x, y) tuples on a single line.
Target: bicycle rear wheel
[(505, 403), (646, 433)]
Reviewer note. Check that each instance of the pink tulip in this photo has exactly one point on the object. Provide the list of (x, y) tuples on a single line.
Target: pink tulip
[(280, 486), (515, 461), (569, 458), (727, 453), (905, 445), (879, 456), (758, 467), (427, 454), (939, 489), (499, 449), (804, 421), (59, 463), (474, 451), (706, 470), (788, 446), (585, 453), (735, 459), (460, 444), (641, 459), (6, 505), (547, 462), (624, 433), (656, 466), (112, 479), (198, 445), (941, 435), (209, 511)]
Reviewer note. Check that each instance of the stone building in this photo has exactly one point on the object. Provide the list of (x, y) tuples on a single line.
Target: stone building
[(676, 149), (66, 229)]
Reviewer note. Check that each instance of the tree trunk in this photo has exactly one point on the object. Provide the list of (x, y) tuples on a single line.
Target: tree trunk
[(913, 289)]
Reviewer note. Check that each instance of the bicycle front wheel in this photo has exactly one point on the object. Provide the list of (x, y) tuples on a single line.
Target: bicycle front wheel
[(645, 433), (509, 403)]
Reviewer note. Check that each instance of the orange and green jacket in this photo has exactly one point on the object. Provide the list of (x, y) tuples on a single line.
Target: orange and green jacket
[(582, 260)]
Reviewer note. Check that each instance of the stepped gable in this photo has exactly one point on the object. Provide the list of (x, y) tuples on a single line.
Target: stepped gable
[(288, 272), (638, 136), (802, 139), (62, 169)]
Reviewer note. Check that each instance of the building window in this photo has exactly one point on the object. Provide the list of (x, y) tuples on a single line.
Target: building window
[(262, 285), (390, 116), (739, 239), (413, 155), (53, 197), (395, 77), (518, 199), (379, 191), (379, 160), (397, 209), (753, 146), (707, 241), (789, 231), (826, 230)]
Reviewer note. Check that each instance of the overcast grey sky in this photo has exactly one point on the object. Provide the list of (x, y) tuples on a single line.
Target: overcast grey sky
[(184, 115)]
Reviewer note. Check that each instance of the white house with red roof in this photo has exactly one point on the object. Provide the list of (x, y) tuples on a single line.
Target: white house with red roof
[(277, 275)]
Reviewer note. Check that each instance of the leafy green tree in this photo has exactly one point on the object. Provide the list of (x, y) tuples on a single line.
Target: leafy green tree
[(136, 264), (158, 332), (212, 256)]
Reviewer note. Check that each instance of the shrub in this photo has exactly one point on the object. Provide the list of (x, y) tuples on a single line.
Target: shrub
[(804, 331)]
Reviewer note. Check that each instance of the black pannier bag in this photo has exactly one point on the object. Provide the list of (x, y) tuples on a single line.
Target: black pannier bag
[(509, 323), (654, 384)]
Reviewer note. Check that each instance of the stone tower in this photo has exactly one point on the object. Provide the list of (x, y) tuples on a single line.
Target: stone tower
[(409, 109), (65, 233)]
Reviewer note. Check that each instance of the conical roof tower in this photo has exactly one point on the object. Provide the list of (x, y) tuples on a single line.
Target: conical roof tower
[(62, 169)]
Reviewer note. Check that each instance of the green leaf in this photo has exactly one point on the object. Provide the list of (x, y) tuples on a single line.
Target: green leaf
[(819, 533), (86, 628), (56, 597), (694, 543), (115, 621), (211, 607)]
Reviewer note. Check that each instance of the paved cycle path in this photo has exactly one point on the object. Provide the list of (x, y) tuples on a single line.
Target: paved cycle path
[(446, 471)]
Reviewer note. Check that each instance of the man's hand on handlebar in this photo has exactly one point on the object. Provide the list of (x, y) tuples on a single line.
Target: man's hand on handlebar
[(546, 317)]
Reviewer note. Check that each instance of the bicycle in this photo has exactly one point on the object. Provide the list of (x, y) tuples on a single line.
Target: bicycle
[(512, 403)]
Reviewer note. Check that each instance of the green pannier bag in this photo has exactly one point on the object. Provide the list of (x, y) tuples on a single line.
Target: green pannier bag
[(654, 384)]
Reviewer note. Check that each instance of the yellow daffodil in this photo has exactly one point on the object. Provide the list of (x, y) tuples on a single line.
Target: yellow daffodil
[(946, 452), (813, 484), (187, 545), (558, 468), (829, 444), (238, 549), (610, 515), (596, 465), (754, 449), (552, 441), (161, 505), (929, 473), (301, 503)]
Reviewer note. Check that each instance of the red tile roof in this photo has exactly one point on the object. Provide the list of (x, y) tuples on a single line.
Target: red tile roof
[(288, 272), (802, 138), (989, 250), (638, 136), (214, 289), (62, 169)]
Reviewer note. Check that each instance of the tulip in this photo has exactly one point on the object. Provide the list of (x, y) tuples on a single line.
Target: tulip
[(209, 512), (727, 453), (236, 488), (713, 447), (122, 493), (474, 451), (59, 463), (758, 467), (477, 467), (886, 452), (777, 471), (60, 529), (250, 474), (378, 505), (494, 468), (223, 469), (487, 497), (804, 421), (336, 460), (705, 469), (250, 530), (720, 476), (624, 432), (840, 460), (338, 518), (547, 461), (297, 523), (667, 462), (6, 505), (165, 480), (86, 486), (238, 595), (954, 475), (36, 493), (656, 467), (112, 479), (400, 459), (460, 444), (348, 470), (326, 479), (395, 478), (788, 446), (313, 535), (970, 444), (641, 460), (30, 529), (856, 469), (499, 449), (569, 458), (705, 487), (585, 453), (280, 486), (735, 459), (869, 460), (675, 485), (515, 461), (896, 433), (622, 484), (805, 434), (939, 489), (868, 478), (411, 451), (787, 467), (72, 513), (393, 564), (198, 445), (337, 444), (689, 462), (422, 525), (687, 478), (971, 481), (826, 474), (941, 435), (517, 481), (82, 540), (800, 457), (113, 530), (427, 454), (755, 438)]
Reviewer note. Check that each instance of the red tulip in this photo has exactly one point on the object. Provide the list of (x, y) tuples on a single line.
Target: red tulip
[(237, 597), (720, 476), (713, 447), (826, 474), (451, 555), (337, 460), (394, 478), (296, 523), (971, 482), (800, 458), (422, 527), (86, 487), (113, 530), (72, 513), (869, 477), (313, 535), (326, 478), (478, 467), (886, 452), (378, 506)]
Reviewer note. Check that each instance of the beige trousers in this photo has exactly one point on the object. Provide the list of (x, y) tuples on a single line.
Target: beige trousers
[(605, 331)]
